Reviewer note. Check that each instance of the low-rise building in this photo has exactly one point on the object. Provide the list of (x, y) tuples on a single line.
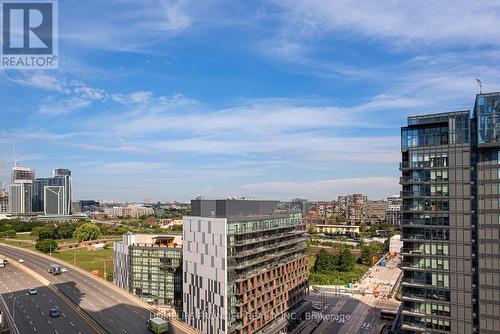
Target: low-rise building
[(129, 211), (150, 267), (337, 229)]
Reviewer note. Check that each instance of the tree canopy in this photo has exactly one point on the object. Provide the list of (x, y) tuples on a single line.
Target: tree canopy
[(86, 232)]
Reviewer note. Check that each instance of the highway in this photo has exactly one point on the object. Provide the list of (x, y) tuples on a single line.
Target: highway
[(31, 312), (112, 310)]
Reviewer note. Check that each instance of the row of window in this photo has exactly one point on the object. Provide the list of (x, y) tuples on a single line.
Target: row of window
[(429, 323), (434, 279), (434, 294), (427, 308)]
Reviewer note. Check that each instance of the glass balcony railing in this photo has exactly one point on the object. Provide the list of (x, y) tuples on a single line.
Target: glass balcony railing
[(270, 257), (273, 247)]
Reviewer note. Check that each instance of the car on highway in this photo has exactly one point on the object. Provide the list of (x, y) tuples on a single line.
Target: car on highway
[(64, 270), (21, 261), (33, 291), (54, 312)]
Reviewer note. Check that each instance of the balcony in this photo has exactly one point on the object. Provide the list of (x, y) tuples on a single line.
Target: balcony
[(270, 257), (251, 231), (241, 243), (412, 313), (413, 327), (411, 251), (413, 297), (267, 248), (267, 267), (413, 282), (410, 266)]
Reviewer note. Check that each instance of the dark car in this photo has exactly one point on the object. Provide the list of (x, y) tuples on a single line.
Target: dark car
[(54, 312)]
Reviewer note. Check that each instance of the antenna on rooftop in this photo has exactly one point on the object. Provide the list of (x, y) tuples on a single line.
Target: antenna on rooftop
[(16, 162), (480, 84)]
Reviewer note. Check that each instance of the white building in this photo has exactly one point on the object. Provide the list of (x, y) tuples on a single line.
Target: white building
[(396, 244)]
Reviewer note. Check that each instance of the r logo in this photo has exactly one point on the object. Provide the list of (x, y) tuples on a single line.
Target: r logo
[(27, 28)]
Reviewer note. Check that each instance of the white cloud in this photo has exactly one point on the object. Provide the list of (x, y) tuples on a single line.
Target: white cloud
[(43, 81), (64, 106), (424, 22)]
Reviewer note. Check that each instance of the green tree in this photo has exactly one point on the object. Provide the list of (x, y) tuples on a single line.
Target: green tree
[(345, 260), (86, 232), (10, 233), (48, 231), (46, 245), (66, 231)]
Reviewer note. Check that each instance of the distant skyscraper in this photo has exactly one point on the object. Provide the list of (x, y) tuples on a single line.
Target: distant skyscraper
[(39, 193), (21, 190), (62, 177), (451, 220), (54, 200), (22, 174), (20, 198)]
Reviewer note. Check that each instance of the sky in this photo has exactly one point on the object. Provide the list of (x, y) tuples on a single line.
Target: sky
[(167, 99)]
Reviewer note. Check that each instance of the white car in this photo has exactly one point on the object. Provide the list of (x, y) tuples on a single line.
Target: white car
[(64, 270), (21, 261)]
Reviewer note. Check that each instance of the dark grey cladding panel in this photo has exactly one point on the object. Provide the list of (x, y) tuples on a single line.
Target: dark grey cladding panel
[(232, 207)]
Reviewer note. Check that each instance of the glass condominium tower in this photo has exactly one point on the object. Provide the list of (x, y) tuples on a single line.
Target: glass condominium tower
[(451, 220)]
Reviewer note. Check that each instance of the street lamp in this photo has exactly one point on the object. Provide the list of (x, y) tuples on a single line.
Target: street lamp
[(14, 299)]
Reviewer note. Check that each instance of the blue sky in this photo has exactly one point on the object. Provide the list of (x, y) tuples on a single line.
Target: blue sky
[(271, 99)]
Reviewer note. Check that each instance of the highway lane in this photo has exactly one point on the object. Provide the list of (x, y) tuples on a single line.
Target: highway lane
[(113, 311), (31, 312)]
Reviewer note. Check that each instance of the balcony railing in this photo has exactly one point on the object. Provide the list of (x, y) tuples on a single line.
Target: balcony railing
[(270, 257), (267, 248)]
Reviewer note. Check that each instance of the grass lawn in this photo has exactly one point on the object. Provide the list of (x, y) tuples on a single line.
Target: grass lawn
[(89, 260), (21, 244), (24, 236)]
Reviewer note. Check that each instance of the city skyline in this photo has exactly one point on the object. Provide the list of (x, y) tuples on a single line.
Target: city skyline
[(282, 100)]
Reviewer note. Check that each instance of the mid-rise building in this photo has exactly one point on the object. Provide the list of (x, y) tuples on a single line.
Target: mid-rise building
[(150, 267), (4, 201), (245, 267), (375, 211), (394, 214), (324, 213), (451, 220)]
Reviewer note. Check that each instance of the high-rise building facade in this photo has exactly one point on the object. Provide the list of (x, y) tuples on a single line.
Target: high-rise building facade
[(486, 208), (20, 198), (150, 267), (61, 178), (451, 220), (21, 190), (245, 267), (54, 200)]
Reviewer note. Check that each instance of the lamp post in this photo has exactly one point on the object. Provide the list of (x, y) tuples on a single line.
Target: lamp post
[(14, 299)]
